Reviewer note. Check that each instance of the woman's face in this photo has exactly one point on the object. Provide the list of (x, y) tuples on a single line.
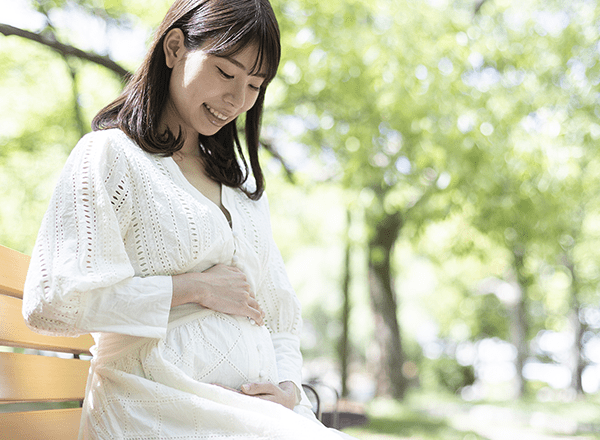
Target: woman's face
[(206, 91)]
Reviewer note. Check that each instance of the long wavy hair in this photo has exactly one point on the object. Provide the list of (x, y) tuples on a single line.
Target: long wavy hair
[(229, 26)]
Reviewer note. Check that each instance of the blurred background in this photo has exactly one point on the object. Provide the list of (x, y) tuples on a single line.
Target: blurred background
[(434, 180)]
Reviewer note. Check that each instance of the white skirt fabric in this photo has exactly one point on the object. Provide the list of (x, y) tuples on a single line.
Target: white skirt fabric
[(141, 388)]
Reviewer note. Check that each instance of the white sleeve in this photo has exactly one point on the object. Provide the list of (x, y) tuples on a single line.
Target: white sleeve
[(81, 279), (283, 312)]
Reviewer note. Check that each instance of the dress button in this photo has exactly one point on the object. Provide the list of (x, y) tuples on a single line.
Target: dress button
[(235, 259)]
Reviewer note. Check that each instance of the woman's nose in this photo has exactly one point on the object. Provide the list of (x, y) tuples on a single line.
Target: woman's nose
[(235, 96)]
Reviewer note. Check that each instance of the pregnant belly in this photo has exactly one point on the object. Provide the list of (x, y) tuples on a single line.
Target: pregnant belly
[(216, 348)]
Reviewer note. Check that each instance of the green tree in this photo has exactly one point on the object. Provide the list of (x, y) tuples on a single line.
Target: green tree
[(428, 108), (533, 198), (380, 107), (51, 88)]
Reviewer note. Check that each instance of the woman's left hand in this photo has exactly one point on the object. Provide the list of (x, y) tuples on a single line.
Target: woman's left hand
[(284, 394)]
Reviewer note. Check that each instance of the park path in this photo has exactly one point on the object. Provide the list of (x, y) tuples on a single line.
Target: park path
[(499, 423)]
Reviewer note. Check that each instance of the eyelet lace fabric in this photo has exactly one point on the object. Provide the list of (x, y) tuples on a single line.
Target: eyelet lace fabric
[(120, 223)]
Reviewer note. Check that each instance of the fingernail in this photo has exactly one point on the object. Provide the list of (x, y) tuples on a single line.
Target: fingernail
[(245, 388)]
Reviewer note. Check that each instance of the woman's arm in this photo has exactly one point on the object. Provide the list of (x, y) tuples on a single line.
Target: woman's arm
[(80, 278)]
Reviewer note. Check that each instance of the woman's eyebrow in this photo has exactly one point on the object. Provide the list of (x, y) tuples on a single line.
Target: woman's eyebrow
[(241, 66)]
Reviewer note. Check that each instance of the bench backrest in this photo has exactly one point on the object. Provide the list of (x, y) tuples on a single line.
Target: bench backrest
[(34, 372)]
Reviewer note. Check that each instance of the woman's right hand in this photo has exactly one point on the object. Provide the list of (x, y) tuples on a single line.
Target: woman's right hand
[(220, 288)]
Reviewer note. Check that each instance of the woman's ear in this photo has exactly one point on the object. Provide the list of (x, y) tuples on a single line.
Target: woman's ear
[(173, 47)]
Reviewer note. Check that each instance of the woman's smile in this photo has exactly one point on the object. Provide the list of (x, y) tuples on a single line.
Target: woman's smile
[(216, 113)]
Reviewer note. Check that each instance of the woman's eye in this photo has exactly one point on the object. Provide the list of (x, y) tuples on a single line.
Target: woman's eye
[(255, 88), (226, 76)]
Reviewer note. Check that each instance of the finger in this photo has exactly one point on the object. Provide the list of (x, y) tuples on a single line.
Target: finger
[(240, 285), (256, 321), (255, 312), (253, 303), (256, 316), (259, 389)]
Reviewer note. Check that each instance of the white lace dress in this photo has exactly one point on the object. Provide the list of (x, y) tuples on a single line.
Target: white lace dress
[(120, 223)]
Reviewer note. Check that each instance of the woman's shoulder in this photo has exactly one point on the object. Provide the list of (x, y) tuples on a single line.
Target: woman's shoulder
[(105, 153), (105, 148), (109, 139)]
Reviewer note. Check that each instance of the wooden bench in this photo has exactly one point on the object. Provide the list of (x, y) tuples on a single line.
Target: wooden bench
[(33, 378)]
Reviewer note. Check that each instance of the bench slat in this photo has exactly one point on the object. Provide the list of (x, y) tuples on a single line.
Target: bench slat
[(33, 378), (15, 333), (57, 424), (13, 271)]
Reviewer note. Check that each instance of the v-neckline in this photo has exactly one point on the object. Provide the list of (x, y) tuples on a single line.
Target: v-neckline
[(196, 193)]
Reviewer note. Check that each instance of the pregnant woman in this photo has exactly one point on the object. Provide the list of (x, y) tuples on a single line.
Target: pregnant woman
[(157, 240)]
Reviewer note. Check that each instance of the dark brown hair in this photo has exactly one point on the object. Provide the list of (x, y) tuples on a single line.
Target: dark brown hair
[(228, 26)]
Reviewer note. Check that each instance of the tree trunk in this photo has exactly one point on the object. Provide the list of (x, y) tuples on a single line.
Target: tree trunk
[(577, 361), (344, 345), (77, 111), (385, 230), (519, 323)]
